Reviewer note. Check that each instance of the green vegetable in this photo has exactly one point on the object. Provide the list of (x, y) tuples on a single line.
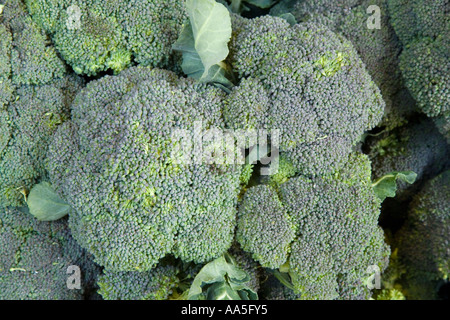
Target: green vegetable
[(204, 41), (45, 204), (386, 186), (221, 279)]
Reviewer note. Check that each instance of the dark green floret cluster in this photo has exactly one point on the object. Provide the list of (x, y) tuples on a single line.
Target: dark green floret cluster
[(224, 150), (35, 257), (94, 36)]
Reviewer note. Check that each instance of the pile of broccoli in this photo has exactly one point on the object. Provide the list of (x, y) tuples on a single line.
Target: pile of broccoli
[(203, 149)]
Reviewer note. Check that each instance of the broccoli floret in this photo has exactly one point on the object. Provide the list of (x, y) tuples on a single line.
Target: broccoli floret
[(94, 36), (337, 236), (390, 294), (35, 256), (157, 284), (150, 28), (424, 29), (418, 147), (32, 59), (423, 241), (245, 262), (310, 84), (35, 94), (27, 127), (264, 228), (113, 164), (378, 48)]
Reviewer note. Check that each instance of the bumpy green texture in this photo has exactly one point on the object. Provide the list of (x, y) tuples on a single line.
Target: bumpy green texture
[(35, 94), (264, 228), (27, 126), (94, 36), (157, 284), (417, 147), (423, 241), (134, 201), (309, 83), (424, 29), (245, 262), (378, 48), (32, 60), (34, 257), (337, 235)]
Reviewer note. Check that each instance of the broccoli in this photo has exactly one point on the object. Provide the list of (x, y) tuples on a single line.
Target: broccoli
[(306, 81), (424, 29), (35, 94), (27, 56), (94, 36), (336, 235), (423, 241), (113, 164), (35, 256), (156, 284), (171, 279), (378, 48), (417, 146)]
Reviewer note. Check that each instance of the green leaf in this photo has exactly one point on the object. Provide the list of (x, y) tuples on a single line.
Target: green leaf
[(386, 186), (45, 204), (221, 279), (263, 4), (203, 41), (221, 291)]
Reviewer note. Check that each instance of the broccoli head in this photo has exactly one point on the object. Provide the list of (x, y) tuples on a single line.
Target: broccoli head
[(156, 284), (305, 81), (35, 256), (378, 48), (424, 29), (114, 164), (35, 94), (336, 237), (94, 36), (423, 241)]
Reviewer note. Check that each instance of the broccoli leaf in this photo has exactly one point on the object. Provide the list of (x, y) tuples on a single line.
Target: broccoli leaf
[(221, 279), (45, 204), (386, 186), (204, 41), (263, 4)]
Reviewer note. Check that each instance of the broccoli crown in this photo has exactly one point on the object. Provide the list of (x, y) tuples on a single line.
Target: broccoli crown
[(157, 284), (28, 123), (426, 72), (424, 29), (113, 163), (423, 241), (35, 94), (378, 48), (413, 19), (27, 58), (300, 80), (94, 36), (35, 256), (337, 236), (418, 147)]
